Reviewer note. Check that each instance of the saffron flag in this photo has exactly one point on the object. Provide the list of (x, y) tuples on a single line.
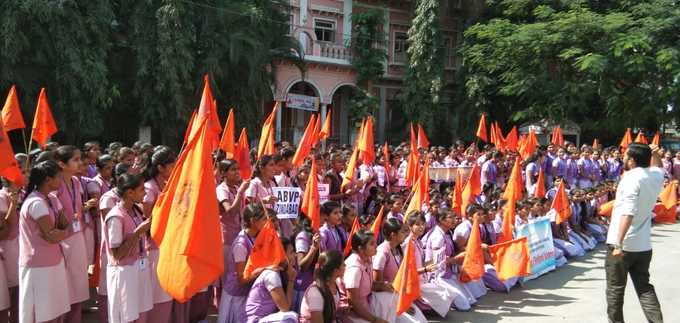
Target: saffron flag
[(388, 166), (326, 129), (186, 223), (377, 223), (310, 199), (414, 140), (420, 193), (11, 112), (9, 167), (267, 250), (189, 127), (305, 144), (207, 109), (493, 136), (481, 128), (43, 122), (666, 210), (227, 143), (355, 227), (412, 168), (473, 187), (501, 142), (457, 195), (514, 187), (317, 131), (530, 145), (561, 204), (641, 138), (511, 258), (557, 137), (266, 144), (423, 142), (627, 139), (596, 143), (540, 184), (606, 209), (366, 145), (473, 263), (242, 156), (407, 282), (657, 139), (348, 176), (508, 222), (511, 140)]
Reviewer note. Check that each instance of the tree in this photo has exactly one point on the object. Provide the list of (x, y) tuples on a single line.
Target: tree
[(424, 77), (606, 65)]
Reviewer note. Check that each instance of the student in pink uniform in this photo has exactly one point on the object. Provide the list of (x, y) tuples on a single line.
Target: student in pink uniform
[(307, 247), (74, 246), (321, 299), (43, 281), (260, 188), (10, 201), (270, 297), (128, 273), (160, 167), (90, 197), (361, 290), (386, 263), (397, 203), (104, 173)]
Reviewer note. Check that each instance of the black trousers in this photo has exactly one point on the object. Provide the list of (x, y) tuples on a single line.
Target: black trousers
[(637, 265)]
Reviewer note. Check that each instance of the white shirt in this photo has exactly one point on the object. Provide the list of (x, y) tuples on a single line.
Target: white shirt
[(636, 196)]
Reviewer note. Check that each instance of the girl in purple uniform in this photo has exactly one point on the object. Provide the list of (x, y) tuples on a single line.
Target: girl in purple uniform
[(307, 246), (331, 239)]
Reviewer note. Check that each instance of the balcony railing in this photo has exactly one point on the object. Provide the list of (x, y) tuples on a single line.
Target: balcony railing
[(334, 51)]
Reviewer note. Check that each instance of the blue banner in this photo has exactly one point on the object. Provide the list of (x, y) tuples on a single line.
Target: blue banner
[(541, 248)]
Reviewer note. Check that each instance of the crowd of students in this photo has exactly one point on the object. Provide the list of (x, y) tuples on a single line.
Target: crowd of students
[(83, 217)]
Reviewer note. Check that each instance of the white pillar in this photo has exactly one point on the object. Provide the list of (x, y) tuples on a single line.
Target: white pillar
[(347, 21), (278, 120)]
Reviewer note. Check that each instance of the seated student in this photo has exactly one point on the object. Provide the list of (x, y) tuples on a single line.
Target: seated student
[(560, 259), (387, 261), (523, 210), (431, 296), (440, 250), (330, 236), (320, 303), (307, 250), (362, 293), (591, 221), (561, 236), (489, 237), (397, 203), (271, 296), (431, 214), (577, 233)]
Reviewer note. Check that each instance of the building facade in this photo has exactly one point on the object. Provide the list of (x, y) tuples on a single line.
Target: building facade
[(324, 29)]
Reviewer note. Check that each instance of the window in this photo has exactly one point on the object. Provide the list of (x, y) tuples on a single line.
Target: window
[(324, 30), (400, 48), (450, 52), (291, 24)]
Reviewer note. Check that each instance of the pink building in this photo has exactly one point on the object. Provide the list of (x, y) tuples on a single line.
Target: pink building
[(324, 28)]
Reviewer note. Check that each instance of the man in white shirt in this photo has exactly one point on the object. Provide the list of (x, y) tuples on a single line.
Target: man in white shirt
[(629, 236)]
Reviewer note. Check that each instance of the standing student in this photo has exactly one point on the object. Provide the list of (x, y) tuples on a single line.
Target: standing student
[(43, 281), (91, 152), (104, 173), (74, 247), (386, 264), (10, 202), (361, 290), (307, 246), (260, 189), (157, 173), (330, 237), (234, 285), (128, 273), (90, 197), (321, 299), (397, 203), (270, 298)]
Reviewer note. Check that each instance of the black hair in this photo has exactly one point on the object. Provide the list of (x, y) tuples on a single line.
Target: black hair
[(473, 208), (251, 213), (261, 163), (443, 214), (640, 153), (328, 206), (361, 238), (128, 182), (90, 145), (64, 153), (286, 153), (329, 261), (391, 225), (39, 174), (162, 157), (103, 160), (414, 216), (43, 156), (224, 165)]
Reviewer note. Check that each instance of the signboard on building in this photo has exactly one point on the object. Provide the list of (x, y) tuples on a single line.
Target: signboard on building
[(302, 102)]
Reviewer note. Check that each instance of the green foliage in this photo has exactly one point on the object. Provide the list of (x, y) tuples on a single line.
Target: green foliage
[(424, 77), (368, 58), (361, 104), (123, 63), (604, 65)]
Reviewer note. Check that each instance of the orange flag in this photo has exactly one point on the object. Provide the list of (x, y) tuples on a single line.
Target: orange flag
[(666, 210), (606, 209), (377, 223), (493, 136), (641, 138), (412, 168), (43, 122), (473, 187), (189, 127), (267, 250), (657, 139), (9, 168), (207, 109), (310, 199), (473, 263), (513, 190), (422, 138), (386, 156), (407, 282), (457, 198), (325, 132), (561, 204), (420, 191), (355, 227), (481, 128), (508, 222), (227, 143), (540, 184), (596, 143), (414, 140), (530, 145), (557, 137), (186, 223), (11, 112), (305, 144), (317, 131), (501, 142), (266, 144), (366, 145), (627, 139), (511, 259), (348, 176), (511, 141), (242, 156)]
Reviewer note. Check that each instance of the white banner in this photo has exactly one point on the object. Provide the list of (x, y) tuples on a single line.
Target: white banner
[(302, 102), (288, 202), (541, 248), (324, 191)]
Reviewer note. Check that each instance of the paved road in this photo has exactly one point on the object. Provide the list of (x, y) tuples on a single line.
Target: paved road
[(575, 293)]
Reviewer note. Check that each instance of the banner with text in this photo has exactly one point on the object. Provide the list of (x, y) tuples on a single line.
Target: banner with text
[(288, 202), (541, 247)]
